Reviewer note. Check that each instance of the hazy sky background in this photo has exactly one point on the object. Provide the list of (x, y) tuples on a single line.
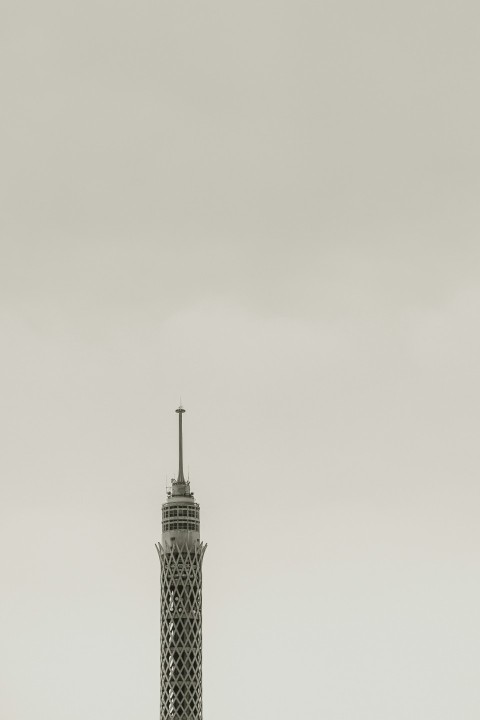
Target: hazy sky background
[(270, 209)]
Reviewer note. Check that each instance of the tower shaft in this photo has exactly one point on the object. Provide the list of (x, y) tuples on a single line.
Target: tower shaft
[(181, 634)]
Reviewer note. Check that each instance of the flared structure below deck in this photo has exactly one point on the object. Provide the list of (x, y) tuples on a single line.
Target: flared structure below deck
[(181, 555)]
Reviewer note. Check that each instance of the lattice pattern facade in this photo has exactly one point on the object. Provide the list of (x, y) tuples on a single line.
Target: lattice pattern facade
[(181, 630)]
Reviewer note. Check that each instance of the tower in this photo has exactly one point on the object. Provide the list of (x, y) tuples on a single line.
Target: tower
[(181, 554)]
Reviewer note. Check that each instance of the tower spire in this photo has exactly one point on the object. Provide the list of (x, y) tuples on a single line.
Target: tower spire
[(180, 478)]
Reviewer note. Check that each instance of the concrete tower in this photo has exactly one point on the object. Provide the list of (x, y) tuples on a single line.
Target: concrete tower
[(181, 554)]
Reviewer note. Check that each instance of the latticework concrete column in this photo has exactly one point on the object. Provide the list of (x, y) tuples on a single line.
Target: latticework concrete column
[(181, 632)]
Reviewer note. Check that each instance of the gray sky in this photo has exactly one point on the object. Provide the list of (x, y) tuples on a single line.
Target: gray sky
[(270, 209)]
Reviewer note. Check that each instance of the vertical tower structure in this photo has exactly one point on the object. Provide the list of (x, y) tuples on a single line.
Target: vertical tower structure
[(181, 555)]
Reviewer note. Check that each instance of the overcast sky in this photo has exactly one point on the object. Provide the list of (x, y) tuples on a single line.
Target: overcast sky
[(270, 209)]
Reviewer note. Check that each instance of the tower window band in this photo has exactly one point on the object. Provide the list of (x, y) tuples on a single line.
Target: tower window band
[(180, 525)]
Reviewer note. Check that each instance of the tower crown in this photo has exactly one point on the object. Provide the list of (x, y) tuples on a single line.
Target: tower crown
[(180, 513)]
